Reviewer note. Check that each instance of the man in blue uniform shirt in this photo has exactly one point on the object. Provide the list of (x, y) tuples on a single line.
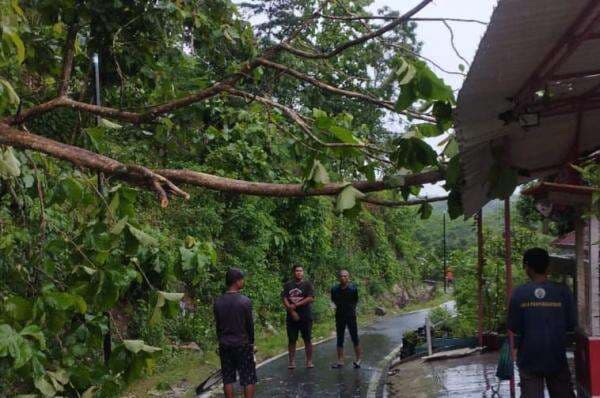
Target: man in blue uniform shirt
[(540, 314), (345, 297)]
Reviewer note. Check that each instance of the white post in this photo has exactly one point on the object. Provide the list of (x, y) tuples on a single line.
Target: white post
[(428, 333)]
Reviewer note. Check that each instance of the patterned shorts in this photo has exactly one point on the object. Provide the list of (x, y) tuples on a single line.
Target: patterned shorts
[(238, 360)]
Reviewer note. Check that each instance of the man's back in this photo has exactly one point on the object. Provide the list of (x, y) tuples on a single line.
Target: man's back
[(233, 318), (541, 314)]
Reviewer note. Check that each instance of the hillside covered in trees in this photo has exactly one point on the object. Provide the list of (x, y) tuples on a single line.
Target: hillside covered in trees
[(147, 146)]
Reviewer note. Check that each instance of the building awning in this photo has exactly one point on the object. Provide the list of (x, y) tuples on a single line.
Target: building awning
[(533, 91)]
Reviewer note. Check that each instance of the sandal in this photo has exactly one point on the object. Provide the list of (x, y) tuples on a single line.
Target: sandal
[(356, 364), (337, 365)]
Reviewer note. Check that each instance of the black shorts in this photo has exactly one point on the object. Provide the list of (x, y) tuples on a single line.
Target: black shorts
[(304, 327), (341, 321), (238, 360)]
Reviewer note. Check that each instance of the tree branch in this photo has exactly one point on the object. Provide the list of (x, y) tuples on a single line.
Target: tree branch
[(299, 120), (68, 54), (412, 202), (393, 18), (359, 40), (454, 44), (146, 178), (389, 105)]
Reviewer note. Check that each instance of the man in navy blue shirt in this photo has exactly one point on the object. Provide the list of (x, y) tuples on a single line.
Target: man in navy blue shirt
[(345, 297), (540, 314)]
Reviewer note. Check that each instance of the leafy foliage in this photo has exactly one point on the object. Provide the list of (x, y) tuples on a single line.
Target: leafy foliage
[(90, 268)]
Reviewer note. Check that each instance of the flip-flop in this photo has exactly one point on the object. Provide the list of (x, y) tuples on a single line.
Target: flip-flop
[(337, 365), (356, 365), (292, 366), (310, 366)]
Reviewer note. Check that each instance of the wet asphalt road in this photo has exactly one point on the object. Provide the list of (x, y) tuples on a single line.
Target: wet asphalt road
[(378, 340)]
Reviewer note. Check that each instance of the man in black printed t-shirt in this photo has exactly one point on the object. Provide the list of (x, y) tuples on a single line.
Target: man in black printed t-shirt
[(541, 313), (297, 296)]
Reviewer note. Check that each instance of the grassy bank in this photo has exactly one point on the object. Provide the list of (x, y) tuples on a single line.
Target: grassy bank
[(186, 369)]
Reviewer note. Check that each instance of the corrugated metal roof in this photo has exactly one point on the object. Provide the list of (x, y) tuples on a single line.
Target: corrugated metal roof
[(520, 35)]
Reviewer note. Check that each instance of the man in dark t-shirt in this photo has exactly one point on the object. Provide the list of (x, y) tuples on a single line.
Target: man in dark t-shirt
[(540, 314), (297, 296), (345, 297), (235, 331)]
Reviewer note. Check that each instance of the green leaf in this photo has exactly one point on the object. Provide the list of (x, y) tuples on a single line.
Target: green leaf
[(455, 208), (9, 164), (177, 297), (428, 130), (64, 301), (324, 122), (35, 332), (119, 226), (136, 346), (18, 308), (89, 393), (407, 97), (425, 211), (97, 138), (59, 378), (14, 345), (108, 124), (187, 258), (344, 135), (13, 98), (318, 174), (28, 181), (453, 173), (44, 387), (73, 190), (461, 67), (407, 77), (414, 154), (142, 237), (14, 37), (431, 87), (348, 198), (451, 150), (442, 111)]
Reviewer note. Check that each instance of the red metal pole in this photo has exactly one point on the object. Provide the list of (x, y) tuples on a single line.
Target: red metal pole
[(480, 261), (508, 264)]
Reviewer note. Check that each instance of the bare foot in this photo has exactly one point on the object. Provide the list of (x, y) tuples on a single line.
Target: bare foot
[(309, 365), (292, 365)]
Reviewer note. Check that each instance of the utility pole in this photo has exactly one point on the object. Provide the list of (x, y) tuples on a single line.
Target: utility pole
[(444, 254), (107, 340)]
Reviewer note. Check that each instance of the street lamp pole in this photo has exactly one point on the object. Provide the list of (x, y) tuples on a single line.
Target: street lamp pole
[(444, 254)]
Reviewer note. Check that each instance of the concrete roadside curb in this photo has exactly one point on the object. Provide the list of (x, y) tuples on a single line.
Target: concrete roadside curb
[(379, 375)]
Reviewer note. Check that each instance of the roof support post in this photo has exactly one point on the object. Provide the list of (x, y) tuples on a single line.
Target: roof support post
[(480, 261), (508, 281)]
